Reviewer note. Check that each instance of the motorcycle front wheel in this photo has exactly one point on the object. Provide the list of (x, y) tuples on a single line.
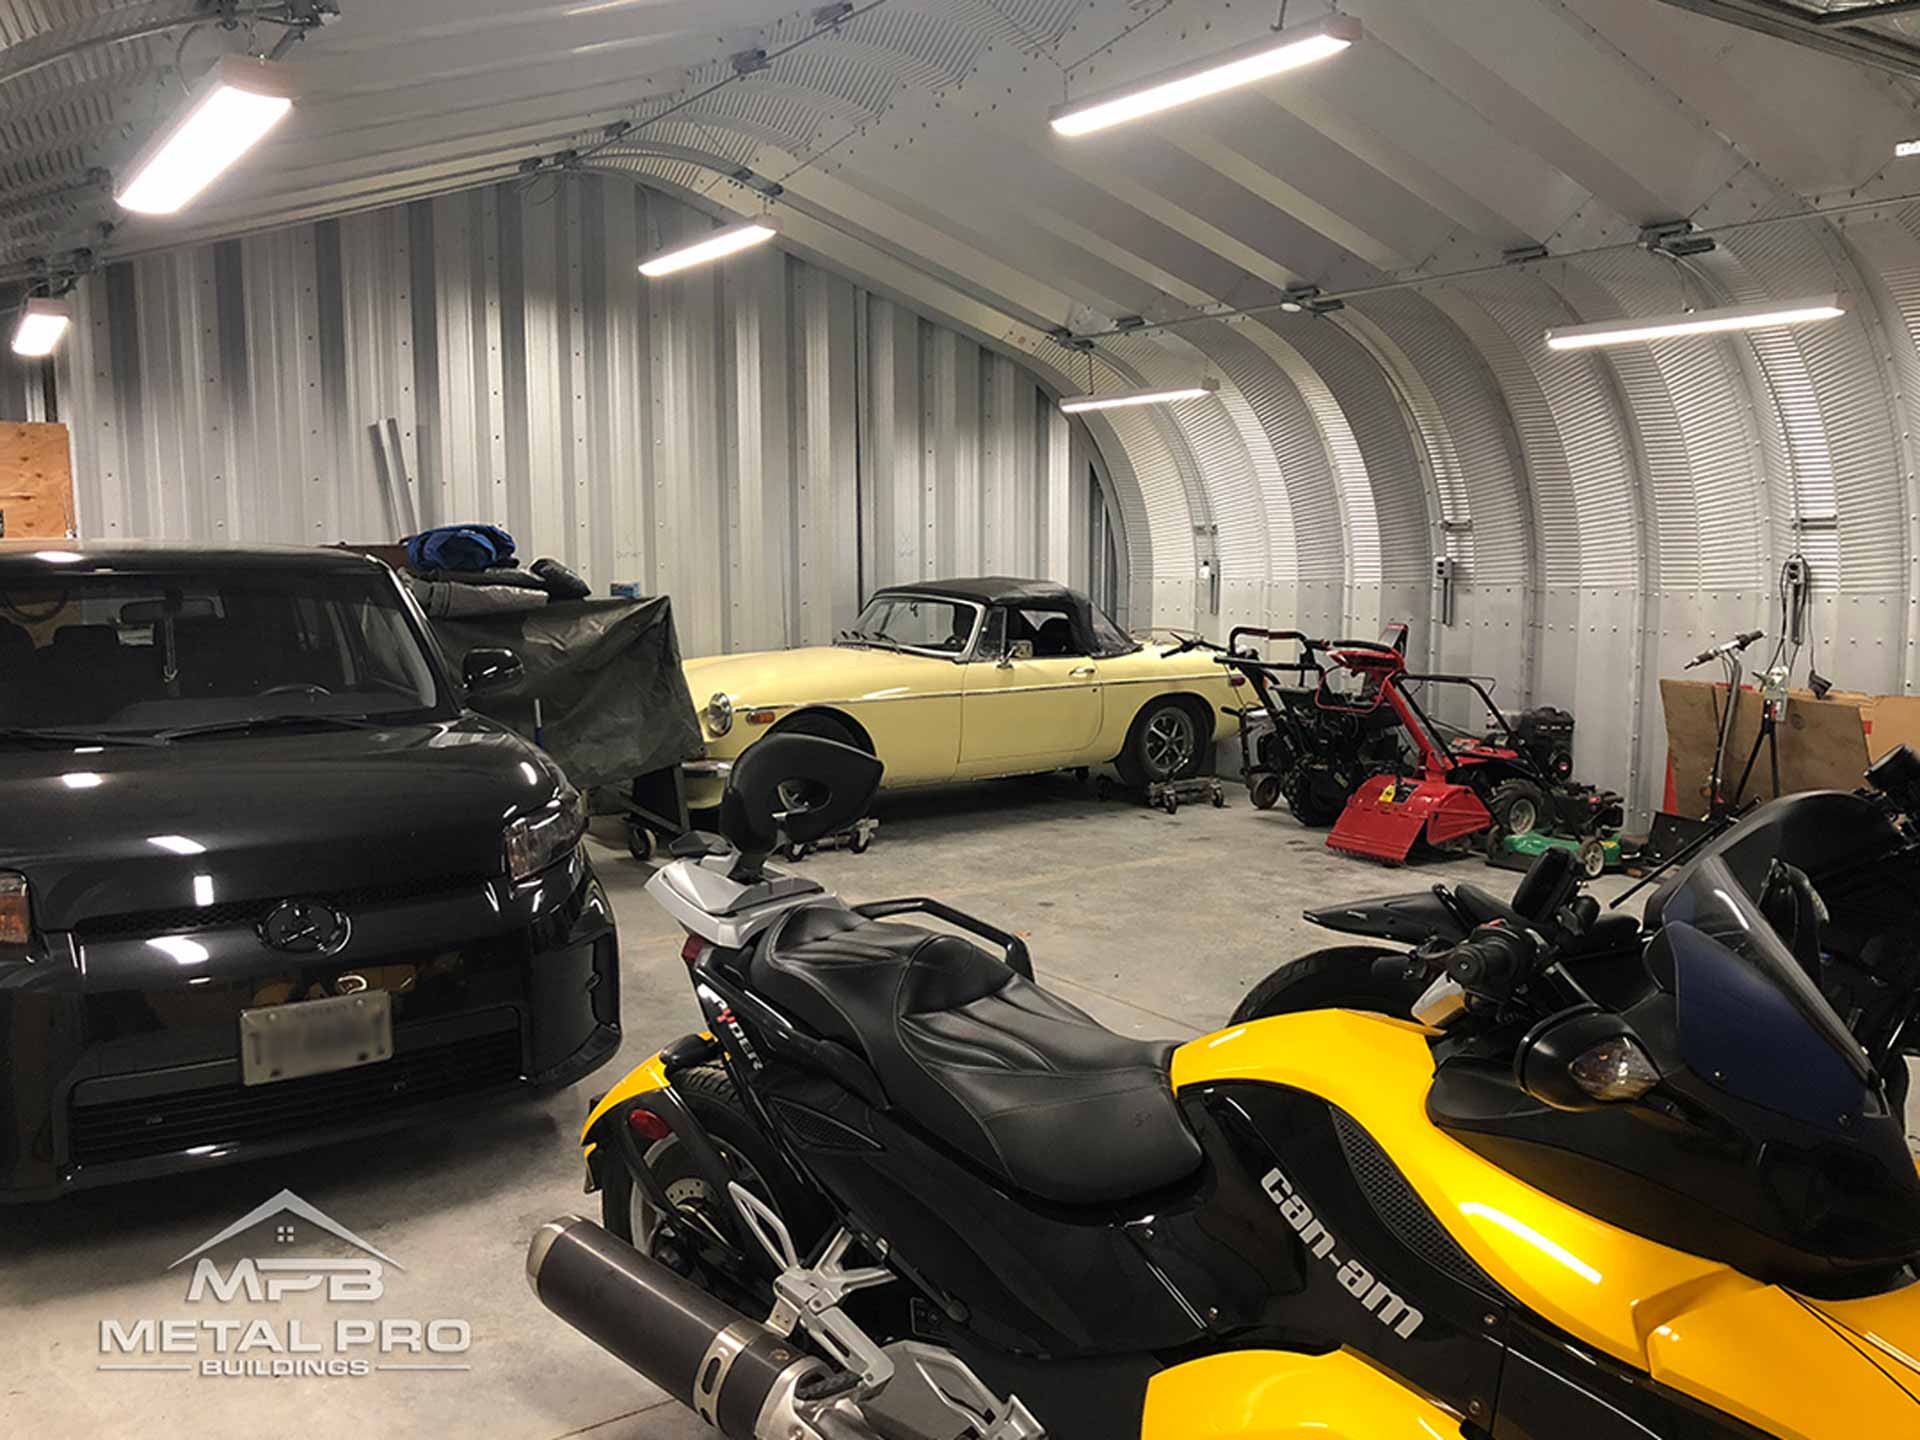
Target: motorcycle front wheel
[(1340, 978)]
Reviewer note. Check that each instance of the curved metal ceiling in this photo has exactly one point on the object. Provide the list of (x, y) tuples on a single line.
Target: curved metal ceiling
[(1603, 512)]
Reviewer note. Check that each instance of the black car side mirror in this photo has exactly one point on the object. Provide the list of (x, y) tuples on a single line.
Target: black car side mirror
[(491, 668)]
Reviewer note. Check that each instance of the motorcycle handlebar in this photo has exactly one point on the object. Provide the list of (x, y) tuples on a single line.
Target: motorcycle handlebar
[(1726, 647), (1491, 961)]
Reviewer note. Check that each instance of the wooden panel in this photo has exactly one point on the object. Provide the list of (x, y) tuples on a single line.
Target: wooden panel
[(36, 482)]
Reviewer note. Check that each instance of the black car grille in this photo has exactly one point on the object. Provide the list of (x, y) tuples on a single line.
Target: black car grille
[(108, 1132), (188, 918)]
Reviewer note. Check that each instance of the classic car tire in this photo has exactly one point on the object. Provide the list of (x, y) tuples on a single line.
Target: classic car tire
[(1162, 730), (826, 727)]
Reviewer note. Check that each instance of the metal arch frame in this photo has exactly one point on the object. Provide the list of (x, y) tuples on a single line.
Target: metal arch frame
[(1646, 534), (1892, 327), (1220, 477), (1400, 378), (1237, 354), (1391, 506)]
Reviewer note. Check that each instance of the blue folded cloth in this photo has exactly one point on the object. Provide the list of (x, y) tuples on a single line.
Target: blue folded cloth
[(460, 547)]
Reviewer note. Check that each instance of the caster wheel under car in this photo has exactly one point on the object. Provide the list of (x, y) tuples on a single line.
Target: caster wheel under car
[(1171, 805), (860, 844), (639, 841), (1219, 799)]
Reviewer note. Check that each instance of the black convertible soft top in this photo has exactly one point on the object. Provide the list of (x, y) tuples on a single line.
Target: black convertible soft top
[(1104, 639), (992, 589)]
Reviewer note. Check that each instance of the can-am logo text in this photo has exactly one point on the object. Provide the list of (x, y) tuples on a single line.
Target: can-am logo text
[(1380, 1302), (270, 1345)]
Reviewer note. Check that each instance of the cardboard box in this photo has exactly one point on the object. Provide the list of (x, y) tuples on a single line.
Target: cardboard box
[(1823, 744)]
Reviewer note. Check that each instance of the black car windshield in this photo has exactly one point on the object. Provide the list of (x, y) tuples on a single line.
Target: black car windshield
[(926, 623), (119, 652)]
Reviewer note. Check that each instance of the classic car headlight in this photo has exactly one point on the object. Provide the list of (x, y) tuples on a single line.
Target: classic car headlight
[(719, 714), (16, 919), (535, 841)]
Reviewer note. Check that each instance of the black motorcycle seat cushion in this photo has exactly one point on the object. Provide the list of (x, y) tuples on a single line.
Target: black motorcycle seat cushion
[(1024, 1084)]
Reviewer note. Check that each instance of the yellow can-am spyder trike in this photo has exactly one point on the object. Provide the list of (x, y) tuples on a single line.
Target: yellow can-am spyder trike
[(899, 1190)]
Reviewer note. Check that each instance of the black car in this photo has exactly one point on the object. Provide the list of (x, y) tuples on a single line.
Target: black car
[(265, 881)]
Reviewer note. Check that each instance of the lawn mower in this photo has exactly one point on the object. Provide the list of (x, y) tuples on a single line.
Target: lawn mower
[(1357, 749)]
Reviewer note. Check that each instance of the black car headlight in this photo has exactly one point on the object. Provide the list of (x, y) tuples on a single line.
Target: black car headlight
[(534, 842), (719, 714)]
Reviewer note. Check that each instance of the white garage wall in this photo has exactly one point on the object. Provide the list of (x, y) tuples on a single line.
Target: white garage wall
[(762, 440)]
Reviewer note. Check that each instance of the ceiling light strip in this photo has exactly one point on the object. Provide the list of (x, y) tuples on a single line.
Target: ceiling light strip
[(1261, 59), (1075, 404), (1696, 322), (42, 324), (716, 246), (233, 107)]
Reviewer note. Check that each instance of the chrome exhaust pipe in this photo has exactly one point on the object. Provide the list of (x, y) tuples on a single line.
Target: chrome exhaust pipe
[(730, 1370)]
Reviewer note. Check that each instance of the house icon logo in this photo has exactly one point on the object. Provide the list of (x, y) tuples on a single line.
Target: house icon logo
[(287, 1203), (255, 1317)]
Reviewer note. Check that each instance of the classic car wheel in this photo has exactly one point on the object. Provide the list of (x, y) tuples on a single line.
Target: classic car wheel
[(1165, 744)]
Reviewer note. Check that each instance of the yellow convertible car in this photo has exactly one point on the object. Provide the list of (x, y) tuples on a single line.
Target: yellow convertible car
[(970, 679)]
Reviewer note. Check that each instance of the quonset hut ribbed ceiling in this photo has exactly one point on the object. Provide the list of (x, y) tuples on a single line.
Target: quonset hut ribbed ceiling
[(1605, 514)]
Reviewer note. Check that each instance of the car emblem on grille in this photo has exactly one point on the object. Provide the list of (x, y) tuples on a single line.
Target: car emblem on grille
[(305, 927)]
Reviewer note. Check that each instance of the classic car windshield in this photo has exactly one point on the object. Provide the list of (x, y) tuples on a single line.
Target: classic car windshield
[(915, 622), (139, 653)]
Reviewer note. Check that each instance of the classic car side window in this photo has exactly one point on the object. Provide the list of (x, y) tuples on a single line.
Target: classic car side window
[(1050, 631), (1108, 638)]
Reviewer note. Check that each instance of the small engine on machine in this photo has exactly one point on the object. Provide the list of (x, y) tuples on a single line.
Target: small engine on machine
[(1544, 735)]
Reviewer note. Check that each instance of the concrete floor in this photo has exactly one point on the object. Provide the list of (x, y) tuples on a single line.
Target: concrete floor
[(1155, 924)]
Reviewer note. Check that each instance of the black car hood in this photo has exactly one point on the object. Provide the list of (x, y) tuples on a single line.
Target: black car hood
[(123, 830)]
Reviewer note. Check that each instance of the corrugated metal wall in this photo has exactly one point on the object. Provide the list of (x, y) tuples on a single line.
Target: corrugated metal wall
[(756, 439)]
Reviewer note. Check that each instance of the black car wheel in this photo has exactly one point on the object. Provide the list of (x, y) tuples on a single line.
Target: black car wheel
[(1165, 744)]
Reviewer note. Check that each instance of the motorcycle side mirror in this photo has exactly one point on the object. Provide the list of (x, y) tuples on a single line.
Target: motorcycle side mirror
[(491, 668), (1583, 1059)]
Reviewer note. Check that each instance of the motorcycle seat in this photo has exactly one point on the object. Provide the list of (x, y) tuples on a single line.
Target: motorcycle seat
[(1025, 1085)]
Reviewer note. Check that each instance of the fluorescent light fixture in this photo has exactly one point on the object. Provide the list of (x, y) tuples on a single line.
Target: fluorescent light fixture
[(719, 244), (1270, 55), (1696, 322), (1074, 404), (178, 844), (42, 323), (1906, 149), (236, 104)]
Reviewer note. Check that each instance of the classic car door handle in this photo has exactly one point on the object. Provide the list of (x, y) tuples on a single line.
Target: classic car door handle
[(1080, 672)]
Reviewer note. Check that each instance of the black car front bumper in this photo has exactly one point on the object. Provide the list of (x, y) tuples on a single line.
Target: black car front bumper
[(112, 1069)]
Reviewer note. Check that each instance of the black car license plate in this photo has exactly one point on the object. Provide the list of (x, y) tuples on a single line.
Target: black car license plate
[(312, 1037)]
